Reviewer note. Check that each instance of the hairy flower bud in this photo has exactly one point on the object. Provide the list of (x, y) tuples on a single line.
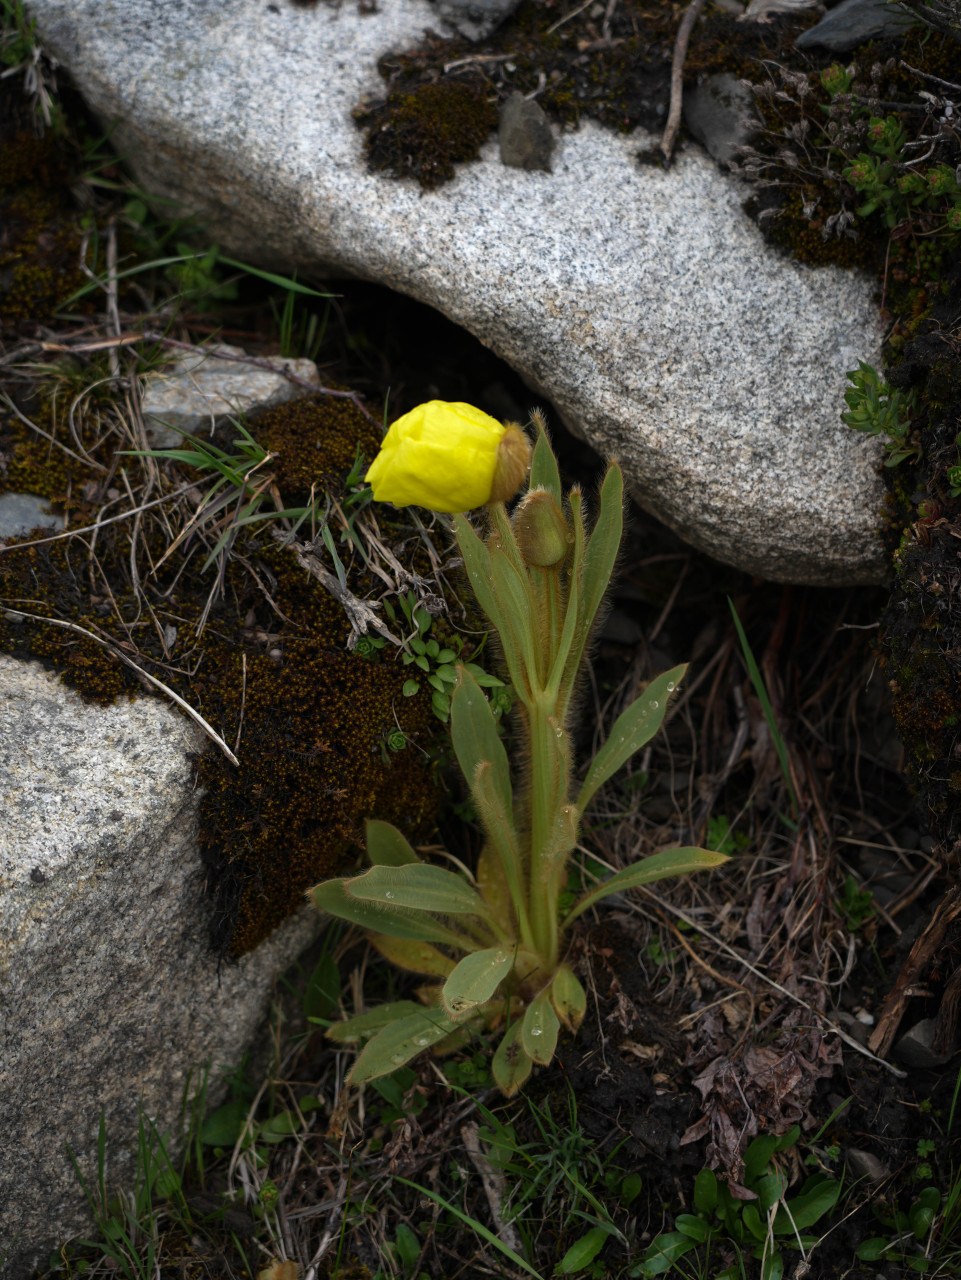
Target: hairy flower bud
[(513, 460), (542, 532)]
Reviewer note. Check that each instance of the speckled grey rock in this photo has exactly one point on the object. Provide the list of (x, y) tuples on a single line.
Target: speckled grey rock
[(720, 114), (643, 303), (109, 992), (851, 23), (21, 512), (524, 134), (199, 391), (915, 1047), (473, 18)]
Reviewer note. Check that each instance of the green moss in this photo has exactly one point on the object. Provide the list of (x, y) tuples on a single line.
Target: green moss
[(312, 718)]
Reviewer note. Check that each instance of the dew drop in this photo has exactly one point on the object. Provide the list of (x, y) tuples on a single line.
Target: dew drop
[(422, 1040), (559, 732), (398, 1059), (671, 686), (536, 1031), (389, 894), (655, 704)]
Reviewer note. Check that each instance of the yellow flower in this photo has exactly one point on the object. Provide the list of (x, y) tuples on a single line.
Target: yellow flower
[(449, 457)]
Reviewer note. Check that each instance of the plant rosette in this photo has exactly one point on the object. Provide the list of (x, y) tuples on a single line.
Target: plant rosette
[(494, 942)]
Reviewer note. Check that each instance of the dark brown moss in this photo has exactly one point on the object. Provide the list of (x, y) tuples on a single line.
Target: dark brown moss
[(423, 132), (316, 440)]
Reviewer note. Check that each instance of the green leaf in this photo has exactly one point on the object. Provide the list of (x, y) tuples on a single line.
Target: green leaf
[(539, 1028), (284, 282), (692, 1226), (757, 680), (632, 729), (416, 957), (705, 1191), (410, 688), (513, 593), (408, 1246), (473, 731), (397, 1043), (583, 1252), (631, 1187), (752, 1220), (279, 1127), (387, 847), (872, 1250), (474, 979), (511, 1065), (417, 887), (603, 545), (665, 1250), (770, 1189), (477, 562), (323, 989), (544, 472), (806, 1209), (332, 897), (224, 1126), (569, 998), (758, 1156), (367, 1024), (670, 862)]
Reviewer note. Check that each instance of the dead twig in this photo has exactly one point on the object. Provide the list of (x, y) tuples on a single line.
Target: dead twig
[(677, 78)]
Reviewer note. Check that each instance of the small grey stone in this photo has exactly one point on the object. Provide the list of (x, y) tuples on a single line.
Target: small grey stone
[(862, 1164), (200, 390), (720, 114), (21, 512), (475, 19), (525, 136), (914, 1047), (851, 23)]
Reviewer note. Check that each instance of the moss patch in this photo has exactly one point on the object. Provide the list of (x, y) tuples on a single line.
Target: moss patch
[(272, 665)]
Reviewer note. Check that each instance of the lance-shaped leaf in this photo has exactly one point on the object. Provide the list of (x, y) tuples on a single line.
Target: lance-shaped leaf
[(477, 562), (513, 592), (567, 641), (474, 979), (670, 862), (332, 897), (499, 824), (473, 731), (544, 472), (632, 729), (569, 998), (416, 957), (603, 545), (419, 887), (367, 1024), (387, 847), (539, 1028), (399, 1042), (512, 1063)]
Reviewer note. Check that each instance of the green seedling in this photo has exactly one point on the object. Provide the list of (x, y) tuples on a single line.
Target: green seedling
[(856, 905), (762, 1225), (877, 410), (722, 838)]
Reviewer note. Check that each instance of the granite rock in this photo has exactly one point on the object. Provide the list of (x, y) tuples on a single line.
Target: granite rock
[(475, 19), (200, 390), (643, 303), (851, 23), (720, 114), (110, 994)]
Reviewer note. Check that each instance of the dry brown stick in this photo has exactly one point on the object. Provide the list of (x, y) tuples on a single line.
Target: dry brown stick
[(118, 653), (677, 77)]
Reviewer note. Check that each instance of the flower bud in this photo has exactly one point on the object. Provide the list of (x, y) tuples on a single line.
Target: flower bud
[(542, 532), (513, 460)]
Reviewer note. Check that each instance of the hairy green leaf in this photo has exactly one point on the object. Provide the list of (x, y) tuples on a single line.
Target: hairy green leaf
[(670, 862), (418, 887), (512, 1064), (387, 847), (539, 1028), (416, 957), (473, 731), (400, 1041), (569, 998), (332, 897), (631, 730), (367, 1024), (474, 979)]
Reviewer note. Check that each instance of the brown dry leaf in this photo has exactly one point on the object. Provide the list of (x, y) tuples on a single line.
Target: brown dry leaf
[(646, 1052), (766, 1089)]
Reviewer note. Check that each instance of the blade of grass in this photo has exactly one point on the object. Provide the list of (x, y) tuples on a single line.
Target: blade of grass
[(757, 680), (474, 1225)]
